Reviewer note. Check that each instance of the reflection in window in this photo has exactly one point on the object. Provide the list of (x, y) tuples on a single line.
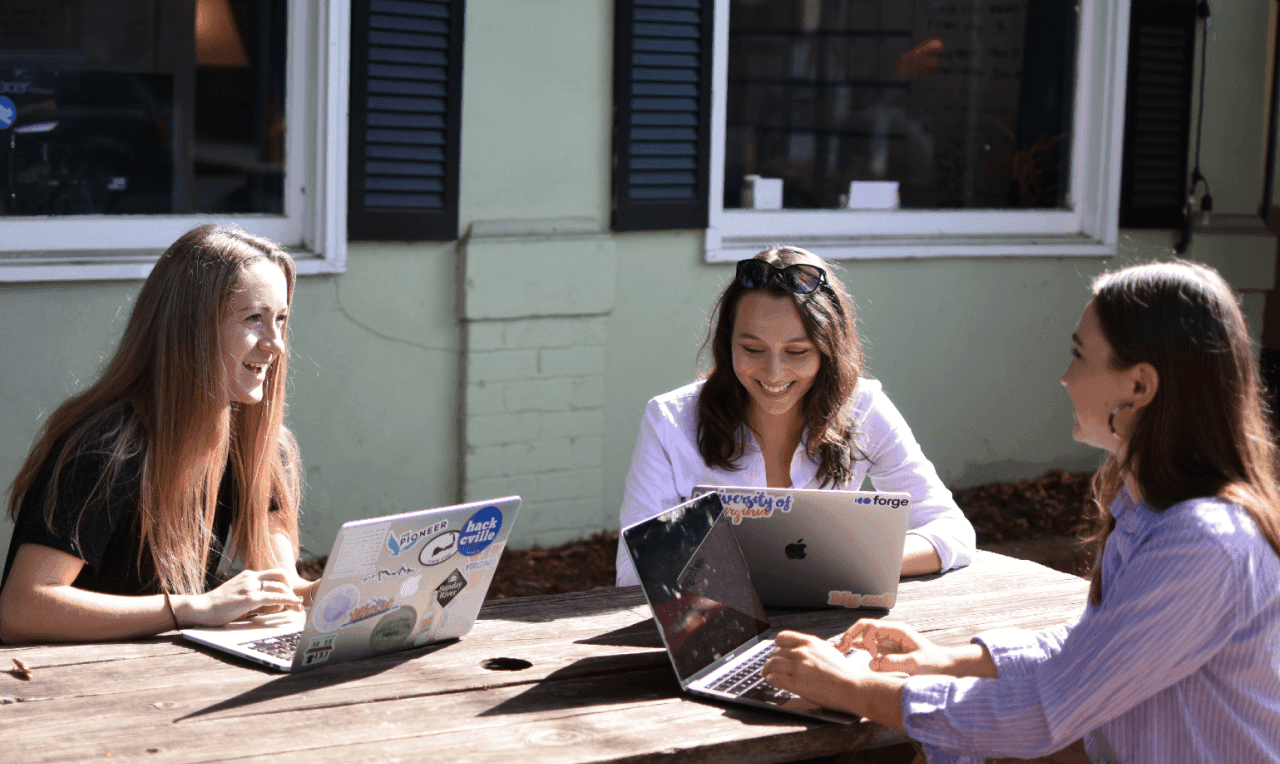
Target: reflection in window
[(879, 104), (137, 107)]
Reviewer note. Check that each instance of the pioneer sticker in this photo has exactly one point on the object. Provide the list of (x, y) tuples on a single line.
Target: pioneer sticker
[(400, 543)]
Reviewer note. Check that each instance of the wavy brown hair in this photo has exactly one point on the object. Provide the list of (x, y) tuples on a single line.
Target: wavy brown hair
[(1206, 432), (159, 398), (827, 409)]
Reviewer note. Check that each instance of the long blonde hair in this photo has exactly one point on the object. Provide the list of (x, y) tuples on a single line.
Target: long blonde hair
[(159, 397), (1206, 432)]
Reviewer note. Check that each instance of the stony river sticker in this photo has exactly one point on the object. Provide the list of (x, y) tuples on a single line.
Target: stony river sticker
[(449, 588)]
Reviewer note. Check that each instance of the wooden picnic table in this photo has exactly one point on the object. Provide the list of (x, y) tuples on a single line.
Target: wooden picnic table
[(599, 687)]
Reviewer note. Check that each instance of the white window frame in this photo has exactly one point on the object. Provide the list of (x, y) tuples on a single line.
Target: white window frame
[(314, 226), (1087, 228)]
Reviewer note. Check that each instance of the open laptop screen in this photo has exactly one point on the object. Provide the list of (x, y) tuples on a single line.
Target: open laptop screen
[(697, 583)]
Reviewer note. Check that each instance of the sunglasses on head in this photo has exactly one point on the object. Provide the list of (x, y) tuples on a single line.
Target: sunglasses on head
[(800, 278)]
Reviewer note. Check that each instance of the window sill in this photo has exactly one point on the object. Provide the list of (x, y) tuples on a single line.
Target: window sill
[(720, 248), (126, 265)]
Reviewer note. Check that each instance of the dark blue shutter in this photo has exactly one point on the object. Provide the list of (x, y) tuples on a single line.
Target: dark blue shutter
[(662, 114), (1153, 185), (405, 108)]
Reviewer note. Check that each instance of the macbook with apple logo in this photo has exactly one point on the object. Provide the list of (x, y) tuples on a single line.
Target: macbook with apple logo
[(816, 548)]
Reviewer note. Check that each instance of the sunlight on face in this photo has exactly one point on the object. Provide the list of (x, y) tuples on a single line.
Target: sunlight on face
[(772, 356), (252, 330)]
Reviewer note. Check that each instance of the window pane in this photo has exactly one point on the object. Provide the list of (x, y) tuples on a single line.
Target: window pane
[(139, 107), (922, 104)]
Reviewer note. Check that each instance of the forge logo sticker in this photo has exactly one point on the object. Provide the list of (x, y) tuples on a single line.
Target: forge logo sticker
[(449, 588), (479, 531), (318, 649), (439, 548)]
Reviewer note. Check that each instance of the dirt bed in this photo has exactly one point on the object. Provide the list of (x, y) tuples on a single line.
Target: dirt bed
[(1043, 519)]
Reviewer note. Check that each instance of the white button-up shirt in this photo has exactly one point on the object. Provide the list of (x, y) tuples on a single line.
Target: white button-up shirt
[(666, 466)]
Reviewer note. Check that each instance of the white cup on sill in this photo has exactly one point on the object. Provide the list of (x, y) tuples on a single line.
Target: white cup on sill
[(874, 195), (761, 193)]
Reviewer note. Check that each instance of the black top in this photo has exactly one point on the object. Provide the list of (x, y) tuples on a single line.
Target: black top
[(108, 531)]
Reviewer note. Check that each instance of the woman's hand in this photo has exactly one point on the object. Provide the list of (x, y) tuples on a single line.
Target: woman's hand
[(815, 670), (248, 593), (898, 647), (812, 668)]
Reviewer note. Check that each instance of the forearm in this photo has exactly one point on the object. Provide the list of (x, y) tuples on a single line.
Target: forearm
[(66, 614), (878, 697), (919, 557)]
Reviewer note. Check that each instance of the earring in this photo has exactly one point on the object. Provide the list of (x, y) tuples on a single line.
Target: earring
[(1111, 420)]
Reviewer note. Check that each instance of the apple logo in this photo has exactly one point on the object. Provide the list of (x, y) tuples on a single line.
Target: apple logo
[(796, 551)]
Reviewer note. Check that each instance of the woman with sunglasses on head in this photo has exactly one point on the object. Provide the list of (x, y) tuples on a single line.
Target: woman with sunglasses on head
[(1176, 657), (137, 486), (785, 406)]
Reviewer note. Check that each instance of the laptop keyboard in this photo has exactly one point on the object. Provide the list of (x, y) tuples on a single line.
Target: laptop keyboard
[(745, 680), (282, 646)]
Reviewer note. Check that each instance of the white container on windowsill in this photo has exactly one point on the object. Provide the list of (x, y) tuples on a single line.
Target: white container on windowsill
[(873, 195), (761, 193)]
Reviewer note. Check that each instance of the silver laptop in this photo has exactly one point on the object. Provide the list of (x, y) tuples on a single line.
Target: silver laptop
[(391, 583), (712, 623), (816, 548)]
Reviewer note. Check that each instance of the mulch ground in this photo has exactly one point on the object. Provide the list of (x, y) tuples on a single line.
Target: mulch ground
[(1044, 519)]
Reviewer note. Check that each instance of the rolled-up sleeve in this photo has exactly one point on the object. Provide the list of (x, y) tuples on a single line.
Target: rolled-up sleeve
[(899, 464)]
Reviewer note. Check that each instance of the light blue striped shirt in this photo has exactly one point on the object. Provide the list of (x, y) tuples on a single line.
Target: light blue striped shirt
[(1180, 662)]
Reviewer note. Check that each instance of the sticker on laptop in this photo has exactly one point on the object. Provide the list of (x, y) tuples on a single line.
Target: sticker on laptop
[(399, 543), (333, 608), (479, 531), (393, 629), (449, 588), (439, 548), (368, 609), (382, 573), (754, 504), (318, 649), (879, 600), (409, 587), (484, 564), (844, 599)]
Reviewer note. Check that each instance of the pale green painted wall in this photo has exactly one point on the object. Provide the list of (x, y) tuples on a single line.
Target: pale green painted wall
[(969, 349)]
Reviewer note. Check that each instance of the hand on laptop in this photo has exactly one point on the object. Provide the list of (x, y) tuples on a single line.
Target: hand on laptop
[(896, 647), (250, 592)]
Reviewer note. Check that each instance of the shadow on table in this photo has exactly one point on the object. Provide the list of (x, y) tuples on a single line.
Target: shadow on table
[(310, 681), (597, 681), (640, 634)]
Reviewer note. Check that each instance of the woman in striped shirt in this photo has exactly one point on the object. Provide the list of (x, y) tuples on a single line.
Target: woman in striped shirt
[(1176, 657)]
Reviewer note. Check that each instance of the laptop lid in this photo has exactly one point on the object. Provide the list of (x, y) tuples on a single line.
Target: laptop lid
[(392, 583), (819, 548), (696, 581)]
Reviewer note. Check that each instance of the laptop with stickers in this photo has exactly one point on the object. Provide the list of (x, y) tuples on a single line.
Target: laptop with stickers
[(712, 622), (391, 583), (815, 548)]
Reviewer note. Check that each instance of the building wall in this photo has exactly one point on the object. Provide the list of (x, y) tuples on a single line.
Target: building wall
[(519, 358)]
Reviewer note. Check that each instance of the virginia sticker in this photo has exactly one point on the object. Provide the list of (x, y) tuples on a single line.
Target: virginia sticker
[(329, 613), (449, 588), (393, 629), (480, 531), (439, 549)]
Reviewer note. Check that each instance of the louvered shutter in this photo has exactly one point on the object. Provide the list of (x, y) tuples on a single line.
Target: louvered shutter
[(405, 108), (1153, 184), (662, 114)]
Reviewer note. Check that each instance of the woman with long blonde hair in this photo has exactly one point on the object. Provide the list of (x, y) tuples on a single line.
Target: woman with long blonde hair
[(1175, 657), (177, 457)]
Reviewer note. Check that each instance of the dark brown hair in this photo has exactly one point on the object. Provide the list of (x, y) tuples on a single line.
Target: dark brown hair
[(828, 318), (1206, 431), (159, 397)]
